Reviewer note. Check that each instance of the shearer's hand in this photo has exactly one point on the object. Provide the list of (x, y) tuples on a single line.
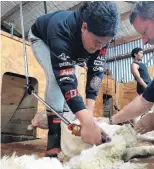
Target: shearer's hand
[(90, 132), (145, 124)]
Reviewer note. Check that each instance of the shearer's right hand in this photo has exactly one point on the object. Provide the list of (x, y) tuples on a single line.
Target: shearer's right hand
[(90, 131), (91, 134)]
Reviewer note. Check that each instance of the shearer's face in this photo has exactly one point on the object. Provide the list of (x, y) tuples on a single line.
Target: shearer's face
[(145, 27), (91, 42)]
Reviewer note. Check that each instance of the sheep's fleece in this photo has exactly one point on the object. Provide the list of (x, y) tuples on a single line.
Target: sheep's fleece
[(29, 162), (32, 162), (74, 145), (78, 155), (105, 156)]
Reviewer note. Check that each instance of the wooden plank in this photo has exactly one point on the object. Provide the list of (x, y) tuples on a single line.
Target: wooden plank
[(107, 87), (151, 71), (27, 147), (13, 61), (129, 93), (19, 122), (16, 120), (6, 114), (12, 92), (25, 114), (17, 126), (5, 34), (12, 89), (98, 111)]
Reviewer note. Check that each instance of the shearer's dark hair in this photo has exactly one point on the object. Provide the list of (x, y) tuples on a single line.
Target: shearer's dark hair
[(102, 18), (135, 51)]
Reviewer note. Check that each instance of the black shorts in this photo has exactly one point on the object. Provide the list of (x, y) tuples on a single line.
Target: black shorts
[(149, 92), (140, 89)]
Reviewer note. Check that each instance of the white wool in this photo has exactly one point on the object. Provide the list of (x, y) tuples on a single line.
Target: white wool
[(105, 156), (29, 162), (85, 156), (142, 150), (108, 155), (151, 133), (132, 166), (73, 145), (9, 163), (109, 129)]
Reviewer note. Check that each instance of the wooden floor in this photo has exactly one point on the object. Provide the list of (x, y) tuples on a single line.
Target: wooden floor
[(38, 146), (26, 147)]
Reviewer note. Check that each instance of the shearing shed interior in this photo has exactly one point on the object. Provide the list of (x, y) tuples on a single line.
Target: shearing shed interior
[(51, 85)]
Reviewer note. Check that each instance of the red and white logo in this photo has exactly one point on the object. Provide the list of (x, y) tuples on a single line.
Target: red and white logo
[(70, 94), (103, 51), (68, 71)]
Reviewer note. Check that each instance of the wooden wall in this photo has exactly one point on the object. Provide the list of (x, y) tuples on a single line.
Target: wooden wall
[(12, 60), (151, 71), (14, 118), (108, 87), (126, 92), (129, 89)]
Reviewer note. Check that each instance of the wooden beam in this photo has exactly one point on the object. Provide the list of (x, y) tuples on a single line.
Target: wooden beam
[(13, 10), (8, 14), (125, 16), (6, 28), (13, 37), (125, 39), (131, 2), (75, 6), (127, 55)]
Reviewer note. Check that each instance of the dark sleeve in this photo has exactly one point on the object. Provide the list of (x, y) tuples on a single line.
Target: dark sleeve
[(64, 72), (149, 92), (96, 64), (82, 64)]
